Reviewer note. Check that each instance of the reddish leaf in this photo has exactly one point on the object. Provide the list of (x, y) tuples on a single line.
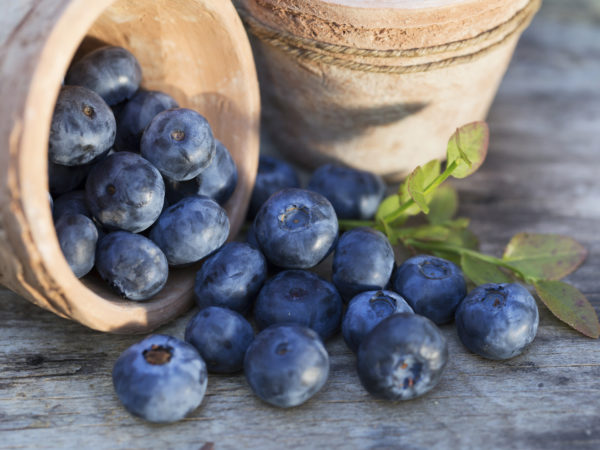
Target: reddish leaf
[(569, 305), (544, 256)]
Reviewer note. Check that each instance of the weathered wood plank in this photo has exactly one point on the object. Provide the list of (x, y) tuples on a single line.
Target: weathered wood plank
[(55, 385)]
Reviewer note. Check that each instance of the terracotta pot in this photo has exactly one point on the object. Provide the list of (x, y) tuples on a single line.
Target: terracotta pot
[(195, 50), (378, 84)]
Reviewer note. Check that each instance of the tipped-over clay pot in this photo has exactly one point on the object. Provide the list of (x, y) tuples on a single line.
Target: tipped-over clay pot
[(195, 50)]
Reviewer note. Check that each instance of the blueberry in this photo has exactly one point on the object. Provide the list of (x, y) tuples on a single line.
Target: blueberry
[(355, 194), (124, 191), (273, 175), (231, 277), (251, 237), (221, 336), (286, 365), (63, 179), (363, 261), (160, 379), (497, 321), (300, 297), (179, 142), (217, 181), (190, 230), (72, 202), (403, 357), (111, 72), (296, 228), (432, 286), (77, 236), (117, 109), (135, 116), (366, 310), (132, 264), (83, 127)]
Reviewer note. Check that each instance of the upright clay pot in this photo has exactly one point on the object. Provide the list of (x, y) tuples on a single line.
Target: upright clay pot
[(195, 50), (378, 84)]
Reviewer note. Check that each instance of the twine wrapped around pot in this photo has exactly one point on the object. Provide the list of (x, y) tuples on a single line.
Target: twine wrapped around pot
[(377, 86)]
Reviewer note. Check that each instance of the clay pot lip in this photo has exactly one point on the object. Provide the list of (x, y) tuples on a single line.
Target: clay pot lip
[(397, 4), (383, 28), (48, 281)]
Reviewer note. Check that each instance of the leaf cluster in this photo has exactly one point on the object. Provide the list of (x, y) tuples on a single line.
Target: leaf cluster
[(540, 260)]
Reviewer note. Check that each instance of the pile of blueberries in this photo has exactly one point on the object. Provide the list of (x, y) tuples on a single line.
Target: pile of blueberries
[(139, 182), (388, 315)]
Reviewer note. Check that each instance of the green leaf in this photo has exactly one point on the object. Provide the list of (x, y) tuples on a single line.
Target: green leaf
[(416, 189), (569, 305), (463, 238), (458, 223), (480, 272), (450, 256), (544, 256), (467, 148), (443, 205), (436, 233), (412, 210), (431, 171), (419, 180), (387, 206)]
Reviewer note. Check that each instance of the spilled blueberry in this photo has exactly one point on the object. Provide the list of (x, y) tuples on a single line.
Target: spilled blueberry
[(160, 379), (296, 228), (432, 286), (273, 175), (366, 310), (497, 321), (231, 277), (403, 357), (286, 365), (363, 261), (300, 297), (354, 194), (221, 336)]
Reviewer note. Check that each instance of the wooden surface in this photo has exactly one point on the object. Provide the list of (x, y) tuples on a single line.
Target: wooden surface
[(541, 176)]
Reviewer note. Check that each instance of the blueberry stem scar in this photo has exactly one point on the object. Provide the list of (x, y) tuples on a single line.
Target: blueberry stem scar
[(158, 355)]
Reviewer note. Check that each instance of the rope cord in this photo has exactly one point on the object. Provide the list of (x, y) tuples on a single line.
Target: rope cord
[(323, 52)]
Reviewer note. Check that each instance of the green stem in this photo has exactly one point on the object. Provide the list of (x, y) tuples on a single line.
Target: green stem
[(441, 177), (349, 224), (440, 246), (410, 202)]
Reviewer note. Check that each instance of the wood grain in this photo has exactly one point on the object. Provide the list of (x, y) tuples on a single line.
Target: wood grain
[(540, 176)]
